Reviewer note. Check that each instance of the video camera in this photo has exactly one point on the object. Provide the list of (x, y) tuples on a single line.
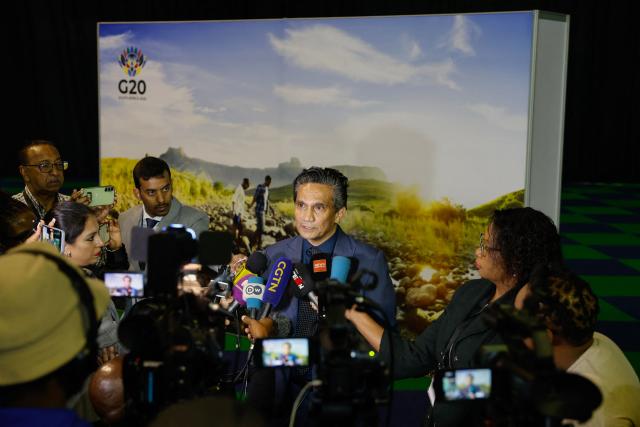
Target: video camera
[(354, 380), (175, 338), (515, 385)]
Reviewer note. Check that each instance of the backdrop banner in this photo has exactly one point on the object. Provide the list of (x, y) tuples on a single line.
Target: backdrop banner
[(426, 115)]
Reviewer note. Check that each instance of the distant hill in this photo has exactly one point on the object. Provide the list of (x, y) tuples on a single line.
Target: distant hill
[(510, 200), (282, 175), (360, 191)]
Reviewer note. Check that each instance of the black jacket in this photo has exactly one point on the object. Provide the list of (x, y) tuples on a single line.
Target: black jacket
[(451, 342)]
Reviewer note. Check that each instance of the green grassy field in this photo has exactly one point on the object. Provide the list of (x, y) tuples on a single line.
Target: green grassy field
[(188, 188)]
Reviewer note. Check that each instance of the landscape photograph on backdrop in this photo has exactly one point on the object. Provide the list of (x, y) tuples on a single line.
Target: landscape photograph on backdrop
[(426, 115)]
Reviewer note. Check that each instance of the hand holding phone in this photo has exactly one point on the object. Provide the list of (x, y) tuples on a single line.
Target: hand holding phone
[(100, 196), (53, 235)]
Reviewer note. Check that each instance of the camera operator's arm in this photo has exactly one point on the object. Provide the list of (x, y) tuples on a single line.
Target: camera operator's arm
[(369, 328)]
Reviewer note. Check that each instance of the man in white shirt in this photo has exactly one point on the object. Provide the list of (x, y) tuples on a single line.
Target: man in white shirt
[(569, 308), (238, 206)]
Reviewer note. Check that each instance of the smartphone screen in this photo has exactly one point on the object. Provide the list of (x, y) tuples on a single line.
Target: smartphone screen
[(100, 196), (53, 235), (466, 384), (284, 352), (125, 283)]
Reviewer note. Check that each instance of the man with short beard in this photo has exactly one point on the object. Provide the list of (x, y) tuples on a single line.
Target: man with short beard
[(154, 188)]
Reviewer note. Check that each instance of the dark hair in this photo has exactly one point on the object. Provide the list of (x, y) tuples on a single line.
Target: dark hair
[(327, 176), (565, 302), (22, 154), (525, 238), (71, 218), (149, 167), (126, 276), (10, 209), (267, 178)]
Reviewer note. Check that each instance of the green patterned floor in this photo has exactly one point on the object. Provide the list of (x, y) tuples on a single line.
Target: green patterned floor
[(600, 229)]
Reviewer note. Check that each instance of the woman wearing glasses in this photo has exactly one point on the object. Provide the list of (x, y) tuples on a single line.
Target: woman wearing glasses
[(514, 242)]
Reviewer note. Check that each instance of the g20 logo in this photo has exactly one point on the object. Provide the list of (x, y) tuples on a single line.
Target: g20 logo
[(132, 61), (132, 87)]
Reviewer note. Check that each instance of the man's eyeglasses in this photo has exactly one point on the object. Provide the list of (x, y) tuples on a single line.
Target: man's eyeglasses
[(46, 167), (483, 246)]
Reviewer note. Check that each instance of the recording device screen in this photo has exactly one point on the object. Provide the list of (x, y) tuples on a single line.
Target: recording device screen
[(125, 284), (466, 384), (53, 235), (284, 352)]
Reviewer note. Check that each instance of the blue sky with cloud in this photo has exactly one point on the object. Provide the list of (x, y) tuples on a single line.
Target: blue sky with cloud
[(425, 98)]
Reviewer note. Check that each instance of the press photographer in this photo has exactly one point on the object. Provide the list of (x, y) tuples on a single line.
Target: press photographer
[(175, 338), (568, 308), (514, 242), (352, 383)]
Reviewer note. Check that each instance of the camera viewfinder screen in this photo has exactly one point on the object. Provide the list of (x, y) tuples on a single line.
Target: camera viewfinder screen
[(467, 384), (285, 352), (126, 284)]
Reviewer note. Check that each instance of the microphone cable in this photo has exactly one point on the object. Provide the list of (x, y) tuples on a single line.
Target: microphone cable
[(300, 398)]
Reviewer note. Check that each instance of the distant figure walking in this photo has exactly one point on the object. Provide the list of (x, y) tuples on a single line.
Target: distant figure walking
[(238, 207), (261, 200)]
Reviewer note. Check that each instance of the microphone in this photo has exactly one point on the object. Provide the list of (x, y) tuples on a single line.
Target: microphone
[(255, 266), (320, 266), (276, 284), (253, 293), (340, 268), (305, 284)]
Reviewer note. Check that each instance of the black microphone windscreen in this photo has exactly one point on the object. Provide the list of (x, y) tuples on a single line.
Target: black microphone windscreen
[(257, 263), (320, 266), (303, 280), (215, 247)]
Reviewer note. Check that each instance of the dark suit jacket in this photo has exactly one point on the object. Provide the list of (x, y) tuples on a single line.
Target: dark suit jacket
[(367, 257)]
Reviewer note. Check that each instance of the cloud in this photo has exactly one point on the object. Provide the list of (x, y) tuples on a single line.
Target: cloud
[(333, 96), (208, 110), (328, 49), (414, 51), (459, 37), (500, 117), (411, 47), (170, 116), (118, 41)]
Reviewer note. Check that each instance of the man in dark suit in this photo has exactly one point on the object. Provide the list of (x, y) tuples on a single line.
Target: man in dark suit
[(320, 197), (153, 187)]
